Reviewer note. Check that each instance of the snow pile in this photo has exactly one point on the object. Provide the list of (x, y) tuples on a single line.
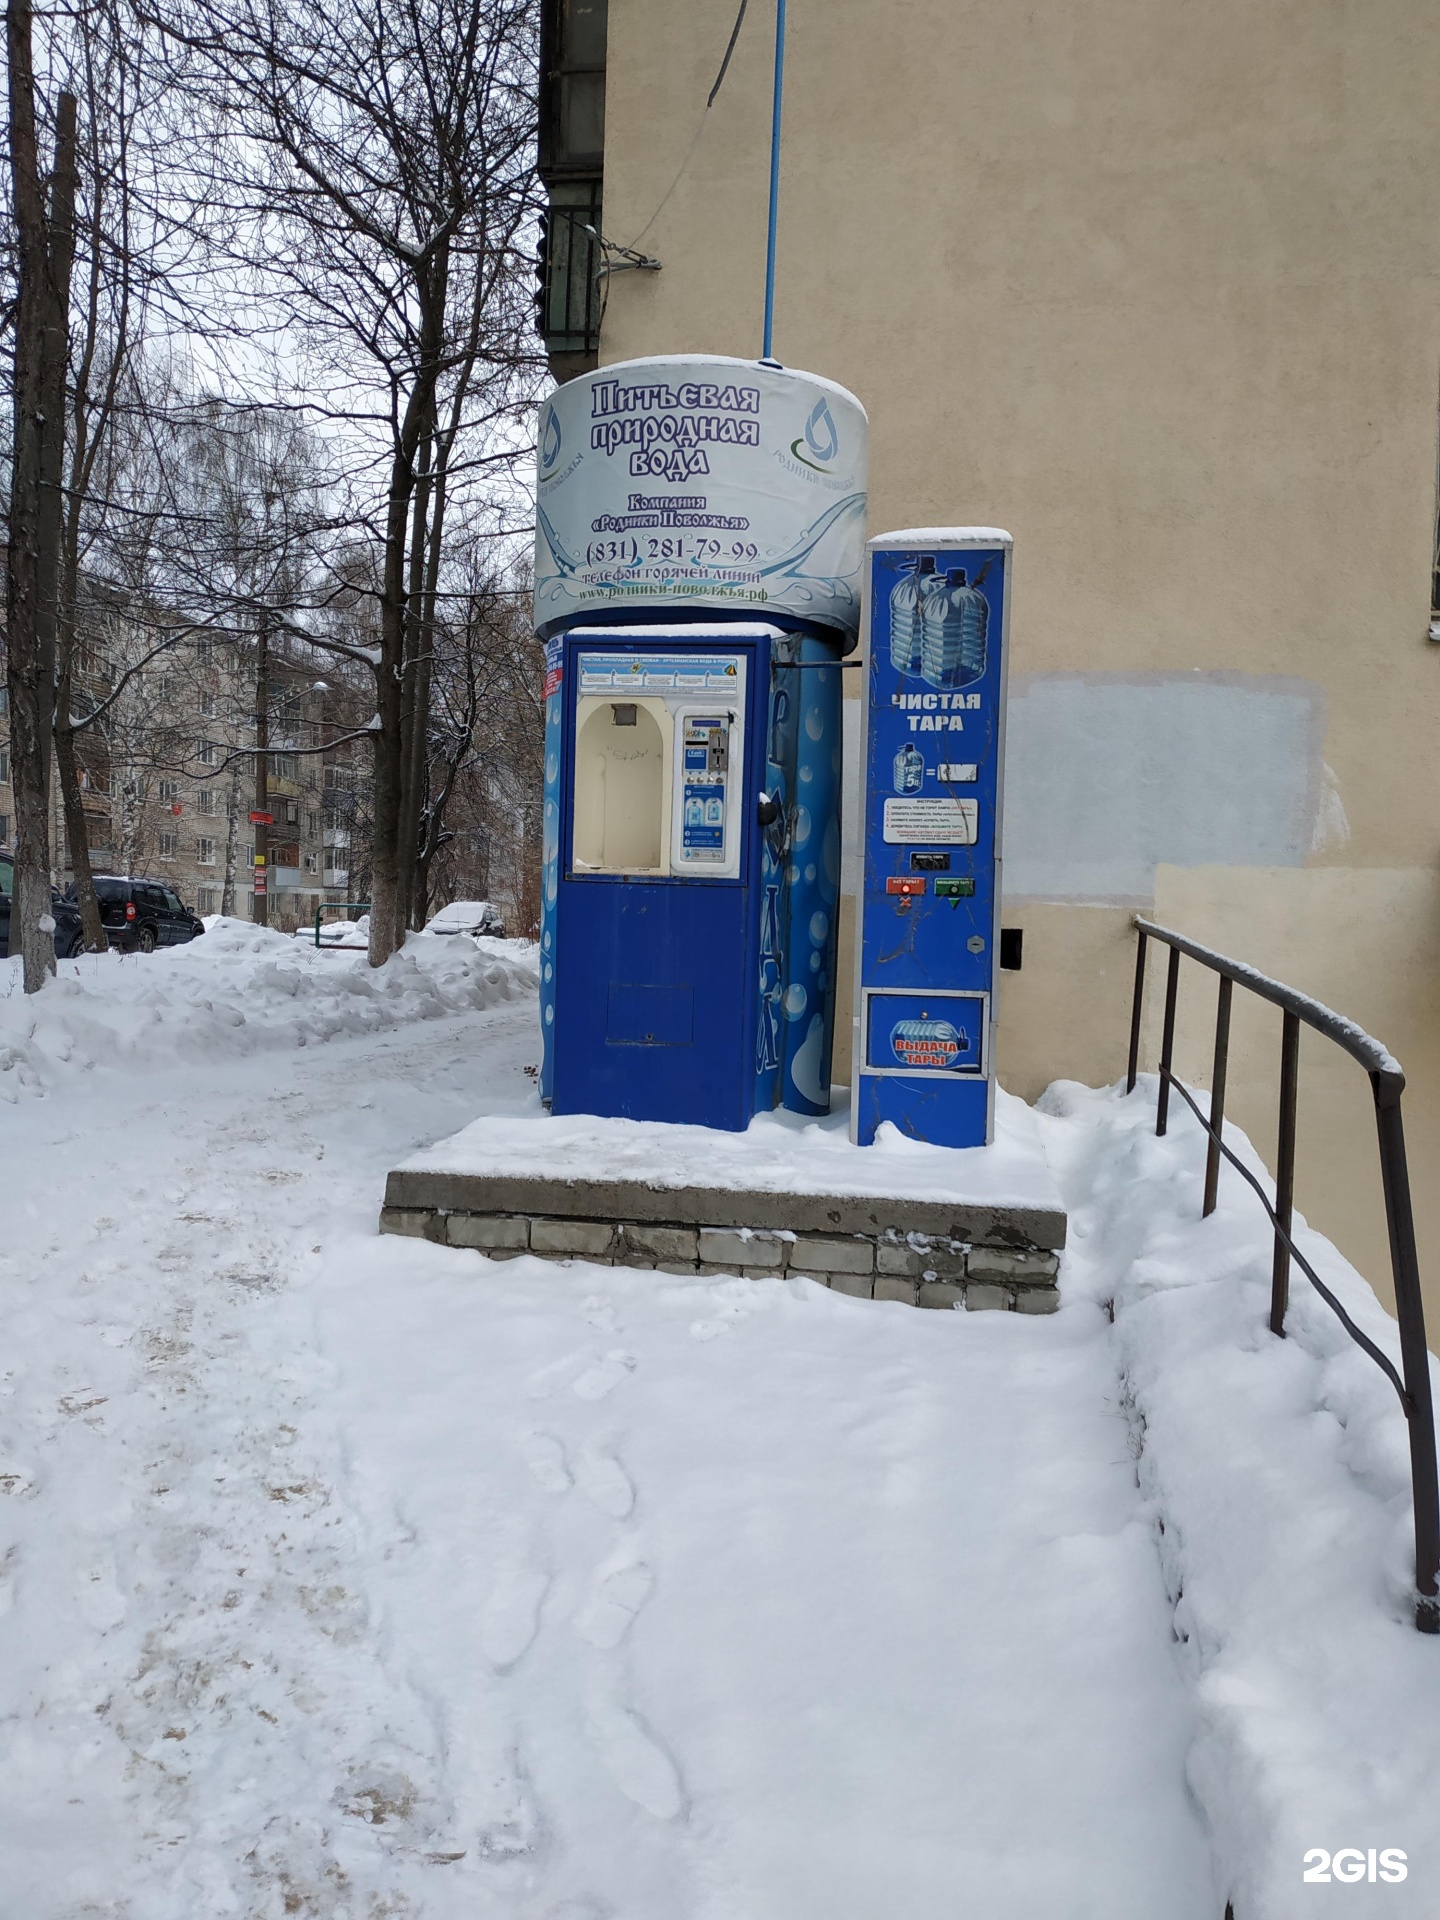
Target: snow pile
[(779, 1152), (1279, 1475), (237, 989)]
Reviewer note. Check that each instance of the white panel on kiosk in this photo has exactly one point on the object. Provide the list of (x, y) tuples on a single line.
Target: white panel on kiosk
[(695, 481)]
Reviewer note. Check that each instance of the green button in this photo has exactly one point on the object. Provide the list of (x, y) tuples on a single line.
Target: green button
[(954, 889)]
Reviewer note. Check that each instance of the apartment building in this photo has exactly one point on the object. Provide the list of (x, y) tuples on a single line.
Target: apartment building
[(168, 773), (1156, 287)]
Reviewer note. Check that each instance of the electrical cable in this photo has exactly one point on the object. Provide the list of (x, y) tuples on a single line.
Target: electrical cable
[(700, 128)]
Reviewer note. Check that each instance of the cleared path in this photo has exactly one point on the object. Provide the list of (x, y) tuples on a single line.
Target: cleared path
[(351, 1577)]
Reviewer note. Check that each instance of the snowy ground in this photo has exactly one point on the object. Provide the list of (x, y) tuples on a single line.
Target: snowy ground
[(351, 1577)]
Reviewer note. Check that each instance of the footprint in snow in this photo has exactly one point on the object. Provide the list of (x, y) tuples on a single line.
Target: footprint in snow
[(638, 1763), (605, 1618), (512, 1617), (598, 1380), (545, 1457), (603, 1480)]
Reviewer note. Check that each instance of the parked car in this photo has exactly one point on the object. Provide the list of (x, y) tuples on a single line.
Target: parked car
[(140, 915), (467, 916), (69, 935)]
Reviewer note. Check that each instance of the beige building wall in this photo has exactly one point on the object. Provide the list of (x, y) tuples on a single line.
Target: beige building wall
[(1157, 287)]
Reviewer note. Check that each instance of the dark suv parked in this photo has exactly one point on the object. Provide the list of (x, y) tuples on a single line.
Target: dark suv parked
[(140, 915), (69, 939)]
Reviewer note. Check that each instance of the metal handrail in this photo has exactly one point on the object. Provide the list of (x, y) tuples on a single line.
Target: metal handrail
[(337, 906), (1387, 1083)]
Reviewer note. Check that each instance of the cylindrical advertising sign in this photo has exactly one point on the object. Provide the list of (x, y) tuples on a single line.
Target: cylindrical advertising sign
[(692, 482)]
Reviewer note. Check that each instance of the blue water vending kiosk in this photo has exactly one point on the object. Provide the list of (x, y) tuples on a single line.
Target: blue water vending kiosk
[(700, 532), (928, 926)]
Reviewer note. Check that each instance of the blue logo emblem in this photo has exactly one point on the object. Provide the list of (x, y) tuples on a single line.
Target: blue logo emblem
[(549, 441), (820, 436), (926, 1045)]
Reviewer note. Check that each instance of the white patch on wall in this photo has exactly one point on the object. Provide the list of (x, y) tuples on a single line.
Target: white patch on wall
[(1332, 823), (1108, 775)]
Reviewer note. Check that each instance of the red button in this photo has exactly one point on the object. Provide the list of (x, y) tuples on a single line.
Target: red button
[(905, 883)]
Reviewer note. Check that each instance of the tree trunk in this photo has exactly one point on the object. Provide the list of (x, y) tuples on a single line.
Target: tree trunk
[(77, 827), (260, 907), (414, 721), (227, 892), (44, 249)]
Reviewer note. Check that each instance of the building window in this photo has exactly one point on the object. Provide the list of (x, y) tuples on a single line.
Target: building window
[(282, 765), (205, 852), (208, 706), (292, 813), (4, 701), (568, 302), (312, 863), (204, 649), (169, 790), (205, 900), (312, 825), (207, 753), (571, 161), (4, 829), (250, 854), (4, 766), (168, 845), (207, 800)]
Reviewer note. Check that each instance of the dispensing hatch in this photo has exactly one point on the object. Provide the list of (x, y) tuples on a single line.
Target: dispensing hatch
[(623, 755)]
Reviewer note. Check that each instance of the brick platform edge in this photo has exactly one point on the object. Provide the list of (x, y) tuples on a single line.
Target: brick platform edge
[(926, 1254)]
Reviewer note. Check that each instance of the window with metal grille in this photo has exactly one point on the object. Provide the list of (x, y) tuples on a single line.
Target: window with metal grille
[(568, 268), (571, 157)]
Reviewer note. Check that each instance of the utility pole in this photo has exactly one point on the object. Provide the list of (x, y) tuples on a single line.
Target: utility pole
[(260, 814)]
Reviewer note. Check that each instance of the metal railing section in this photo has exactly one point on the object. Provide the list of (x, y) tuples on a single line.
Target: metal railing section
[(1387, 1083), (337, 906)]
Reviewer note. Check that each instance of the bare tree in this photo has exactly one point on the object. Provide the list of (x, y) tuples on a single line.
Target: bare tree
[(379, 157)]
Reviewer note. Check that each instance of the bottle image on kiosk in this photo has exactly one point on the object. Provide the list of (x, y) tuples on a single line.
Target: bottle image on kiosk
[(909, 770), (954, 621), (905, 622)]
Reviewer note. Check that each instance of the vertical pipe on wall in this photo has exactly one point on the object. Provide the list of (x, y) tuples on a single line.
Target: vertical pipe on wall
[(774, 177)]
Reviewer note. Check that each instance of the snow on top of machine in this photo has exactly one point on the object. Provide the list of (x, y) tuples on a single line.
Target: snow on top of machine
[(943, 537)]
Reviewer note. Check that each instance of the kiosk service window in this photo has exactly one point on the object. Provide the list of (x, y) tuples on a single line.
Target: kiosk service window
[(657, 770)]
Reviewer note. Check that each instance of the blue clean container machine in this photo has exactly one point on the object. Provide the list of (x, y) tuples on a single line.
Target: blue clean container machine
[(699, 559)]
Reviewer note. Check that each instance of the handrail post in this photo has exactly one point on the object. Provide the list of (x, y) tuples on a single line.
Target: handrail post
[(1135, 1007), (1285, 1169), (1167, 1042), (1217, 1096), (1415, 1357)]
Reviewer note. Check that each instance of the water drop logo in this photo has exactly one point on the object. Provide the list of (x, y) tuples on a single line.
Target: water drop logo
[(549, 441), (820, 436)]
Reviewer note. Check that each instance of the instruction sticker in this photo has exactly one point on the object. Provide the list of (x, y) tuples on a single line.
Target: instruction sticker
[(939, 822)]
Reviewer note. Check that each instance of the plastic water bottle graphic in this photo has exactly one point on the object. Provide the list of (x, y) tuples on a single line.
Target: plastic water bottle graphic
[(909, 770), (954, 624), (905, 626)]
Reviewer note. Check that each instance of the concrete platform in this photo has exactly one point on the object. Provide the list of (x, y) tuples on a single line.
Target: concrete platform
[(898, 1220)]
